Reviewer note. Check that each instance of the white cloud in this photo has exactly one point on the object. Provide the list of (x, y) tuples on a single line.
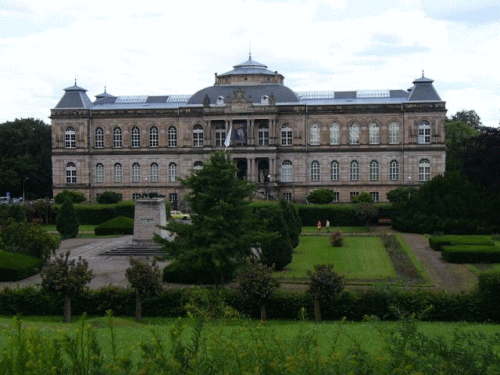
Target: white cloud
[(176, 47)]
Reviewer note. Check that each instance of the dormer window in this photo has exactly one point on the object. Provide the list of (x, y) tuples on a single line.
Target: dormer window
[(220, 100), (264, 99)]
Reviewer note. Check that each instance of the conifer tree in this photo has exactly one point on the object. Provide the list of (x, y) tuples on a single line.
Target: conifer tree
[(67, 222)]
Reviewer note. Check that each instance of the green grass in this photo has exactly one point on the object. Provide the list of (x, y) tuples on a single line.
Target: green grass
[(361, 258), (342, 334), (81, 228), (333, 229)]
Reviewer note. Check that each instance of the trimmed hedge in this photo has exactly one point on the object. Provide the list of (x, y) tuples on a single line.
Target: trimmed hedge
[(437, 242), (118, 225), (95, 214), (14, 267), (471, 254), (338, 214), (355, 305)]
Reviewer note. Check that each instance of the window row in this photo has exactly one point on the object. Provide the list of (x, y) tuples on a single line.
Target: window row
[(336, 196), (424, 170)]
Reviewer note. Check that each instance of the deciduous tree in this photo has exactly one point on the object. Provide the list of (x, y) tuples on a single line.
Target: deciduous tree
[(325, 285), (67, 278)]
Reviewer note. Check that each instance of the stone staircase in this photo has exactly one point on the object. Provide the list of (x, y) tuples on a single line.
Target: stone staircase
[(135, 249)]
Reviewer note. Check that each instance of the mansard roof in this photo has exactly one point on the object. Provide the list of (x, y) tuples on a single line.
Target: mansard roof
[(423, 90)]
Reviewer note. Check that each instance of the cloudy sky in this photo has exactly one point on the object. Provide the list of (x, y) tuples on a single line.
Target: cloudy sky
[(175, 47)]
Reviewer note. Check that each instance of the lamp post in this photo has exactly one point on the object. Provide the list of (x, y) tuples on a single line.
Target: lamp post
[(409, 187), (26, 179)]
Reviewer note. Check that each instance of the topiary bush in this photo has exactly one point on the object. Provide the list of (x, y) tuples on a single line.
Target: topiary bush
[(320, 196), (15, 267), (118, 225), (109, 197), (73, 196), (67, 223)]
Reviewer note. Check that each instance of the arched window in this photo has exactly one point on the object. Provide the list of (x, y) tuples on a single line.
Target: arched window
[(424, 170), (136, 137), (118, 172), (334, 170), (153, 172), (136, 172), (197, 165), (394, 133), (263, 135), (70, 173), (287, 171), (172, 172), (70, 138), (172, 136), (99, 173), (374, 170), (374, 134), (315, 170), (286, 135), (424, 132), (315, 139), (198, 136), (117, 137), (334, 134), (153, 137), (220, 135), (99, 138), (394, 170), (354, 170), (354, 134)]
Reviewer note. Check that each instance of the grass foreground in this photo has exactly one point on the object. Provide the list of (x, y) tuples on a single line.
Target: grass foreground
[(239, 346)]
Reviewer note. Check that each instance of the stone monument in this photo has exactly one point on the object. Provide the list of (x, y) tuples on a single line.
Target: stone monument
[(149, 213)]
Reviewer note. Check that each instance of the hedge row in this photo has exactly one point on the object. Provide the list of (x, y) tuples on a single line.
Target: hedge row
[(471, 254), (353, 305), (437, 242), (338, 214), (118, 225), (15, 267), (95, 214)]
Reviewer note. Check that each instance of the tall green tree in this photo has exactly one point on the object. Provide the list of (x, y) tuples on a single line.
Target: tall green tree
[(470, 117), (456, 133), (25, 158), (223, 230), (67, 223)]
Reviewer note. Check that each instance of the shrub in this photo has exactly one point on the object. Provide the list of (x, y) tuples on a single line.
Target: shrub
[(325, 285), (73, 196), (471, 254), (11, 211), (363, 197), (67, 222), (320, 196), (109, 197), (336, 239), (28, 239), (15, 267), (179, 273), (118, 225)]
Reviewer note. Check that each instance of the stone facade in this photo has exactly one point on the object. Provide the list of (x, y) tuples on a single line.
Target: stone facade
[(288, 143)]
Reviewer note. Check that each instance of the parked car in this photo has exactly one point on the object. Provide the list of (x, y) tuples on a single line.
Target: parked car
[(178, 215)]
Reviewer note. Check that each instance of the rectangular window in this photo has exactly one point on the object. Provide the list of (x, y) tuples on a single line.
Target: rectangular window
[(287, 197), (220, 137), (136, 196), (336, 196), (354, 194), (375, 196)]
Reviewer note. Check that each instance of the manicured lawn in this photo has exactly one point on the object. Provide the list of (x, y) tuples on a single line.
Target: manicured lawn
[(362, 258), (82, 228), (333, 229)]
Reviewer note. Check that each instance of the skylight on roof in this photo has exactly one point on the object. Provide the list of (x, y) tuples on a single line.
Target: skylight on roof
[(316, 94), (373, 94), (178, 98), (132, 99)]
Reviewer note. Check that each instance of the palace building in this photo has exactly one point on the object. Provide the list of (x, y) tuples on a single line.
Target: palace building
[(289, 143)]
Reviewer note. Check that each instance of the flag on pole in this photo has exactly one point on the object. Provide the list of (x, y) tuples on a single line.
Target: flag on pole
[(227, 142)]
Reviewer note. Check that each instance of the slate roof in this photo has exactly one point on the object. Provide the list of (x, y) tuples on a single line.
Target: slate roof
[(74, 97), (423, 90), (248, 67)]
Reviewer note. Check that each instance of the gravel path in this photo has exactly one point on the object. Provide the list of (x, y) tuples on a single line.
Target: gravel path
[(110, 270)]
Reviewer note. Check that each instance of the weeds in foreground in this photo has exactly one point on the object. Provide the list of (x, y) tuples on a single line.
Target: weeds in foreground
[(193, 347)]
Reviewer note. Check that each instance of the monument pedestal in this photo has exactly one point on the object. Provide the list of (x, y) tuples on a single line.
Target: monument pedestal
[(149, 213)]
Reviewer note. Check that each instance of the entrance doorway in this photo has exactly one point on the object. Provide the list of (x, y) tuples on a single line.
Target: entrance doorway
[(263, 171), (241, 164)]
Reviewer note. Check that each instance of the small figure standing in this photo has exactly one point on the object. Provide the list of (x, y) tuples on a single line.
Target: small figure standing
[(319, 225), (327, 226)]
